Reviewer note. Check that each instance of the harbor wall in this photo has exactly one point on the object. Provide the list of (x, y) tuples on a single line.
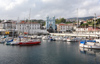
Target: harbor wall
[(74, 34)]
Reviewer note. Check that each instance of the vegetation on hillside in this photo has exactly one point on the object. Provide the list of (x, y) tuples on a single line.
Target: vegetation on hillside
[(61, 20), (91, 23)]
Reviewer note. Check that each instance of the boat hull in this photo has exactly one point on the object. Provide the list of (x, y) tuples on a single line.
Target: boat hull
[(30, 43), (89, 46)]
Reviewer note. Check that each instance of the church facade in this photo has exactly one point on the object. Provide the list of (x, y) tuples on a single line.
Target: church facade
[(50, 23)]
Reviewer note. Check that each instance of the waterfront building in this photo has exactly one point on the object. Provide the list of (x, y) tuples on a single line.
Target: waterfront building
[(64, 27), (9, 26), (50, 23), (88, 30), (1, 26), (29, 27)]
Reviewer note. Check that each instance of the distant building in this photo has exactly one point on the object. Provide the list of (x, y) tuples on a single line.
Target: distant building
[(50, 23), (8, 26), (1, 25), (88, 30), (98, 17), (29, 27), (64, 27)]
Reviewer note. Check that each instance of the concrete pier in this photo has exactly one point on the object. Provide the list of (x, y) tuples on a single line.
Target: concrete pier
[(74, 34)]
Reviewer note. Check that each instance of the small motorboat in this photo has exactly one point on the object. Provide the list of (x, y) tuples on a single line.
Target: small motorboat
[(9, 42), (72, 39), (39, 37), (91, 44), (15, 42), (58, 38), (2, 40), (65, 39), (45, 37), (52, 39)]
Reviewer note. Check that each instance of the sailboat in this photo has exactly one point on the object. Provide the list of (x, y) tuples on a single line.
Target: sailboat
[(29, 41)]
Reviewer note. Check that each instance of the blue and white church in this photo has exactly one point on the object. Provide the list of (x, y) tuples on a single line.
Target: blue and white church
[(50, 23)]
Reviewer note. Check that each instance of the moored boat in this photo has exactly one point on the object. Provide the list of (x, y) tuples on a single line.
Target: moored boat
[(15, 42), (8, 42), (30, 43), (52, 39), (58, 38), (65, 39), (91, 44), (45, 38)]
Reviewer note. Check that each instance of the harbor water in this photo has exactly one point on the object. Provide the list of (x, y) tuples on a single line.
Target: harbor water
[(48, 52)]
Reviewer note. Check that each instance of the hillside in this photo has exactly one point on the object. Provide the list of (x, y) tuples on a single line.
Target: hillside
[(81, 18)]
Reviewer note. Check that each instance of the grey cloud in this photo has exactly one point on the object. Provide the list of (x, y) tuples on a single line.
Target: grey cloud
[(57, 8)]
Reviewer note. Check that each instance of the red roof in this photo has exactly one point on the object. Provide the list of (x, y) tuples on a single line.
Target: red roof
[(85, 21), (62, 24), (23, 22)]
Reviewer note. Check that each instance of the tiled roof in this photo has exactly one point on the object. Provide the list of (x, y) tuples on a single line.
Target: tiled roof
[(23, 22), (62, 24)]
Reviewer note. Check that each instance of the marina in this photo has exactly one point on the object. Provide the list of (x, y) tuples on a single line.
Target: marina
[(49, 52), (49, 32)]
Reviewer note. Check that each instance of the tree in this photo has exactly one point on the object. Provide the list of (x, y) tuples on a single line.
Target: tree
[(62, 20), (81, 23), (98, 21), (57, 21)]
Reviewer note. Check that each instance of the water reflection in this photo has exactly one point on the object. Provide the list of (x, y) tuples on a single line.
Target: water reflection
[(68, 43), (49, 52), (92, 52)]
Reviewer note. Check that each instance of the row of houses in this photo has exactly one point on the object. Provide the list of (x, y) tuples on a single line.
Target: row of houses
[(63, 28), (21, 27), (34, 27)]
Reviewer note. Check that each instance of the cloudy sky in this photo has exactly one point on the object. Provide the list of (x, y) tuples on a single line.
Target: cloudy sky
[(40, 9)]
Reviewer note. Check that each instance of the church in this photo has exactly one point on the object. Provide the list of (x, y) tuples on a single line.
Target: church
[(50, 24)]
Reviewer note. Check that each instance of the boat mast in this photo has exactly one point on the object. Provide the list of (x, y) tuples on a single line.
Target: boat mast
[(77, 21), (24, 26), (29, 22), (18, 27), (95, 23)]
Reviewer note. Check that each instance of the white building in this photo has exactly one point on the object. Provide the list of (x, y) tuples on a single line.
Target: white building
[(8, 26), (29, 27), (1, 26), (82, 29), (64, 27)]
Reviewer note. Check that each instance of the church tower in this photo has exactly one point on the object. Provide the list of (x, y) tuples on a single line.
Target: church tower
[(50, 23)]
